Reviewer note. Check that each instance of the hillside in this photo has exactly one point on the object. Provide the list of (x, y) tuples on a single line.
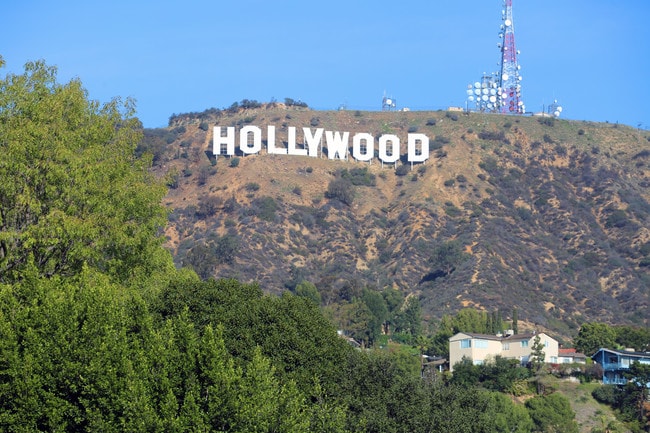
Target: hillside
[(550, 216)]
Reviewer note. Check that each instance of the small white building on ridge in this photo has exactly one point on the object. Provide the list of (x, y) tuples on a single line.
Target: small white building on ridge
[(482, 347)]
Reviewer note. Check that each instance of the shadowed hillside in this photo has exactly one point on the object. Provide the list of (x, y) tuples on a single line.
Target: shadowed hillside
[(546, 215)]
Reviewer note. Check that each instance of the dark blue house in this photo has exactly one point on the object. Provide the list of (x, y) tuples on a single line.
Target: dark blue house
[(615, 362)]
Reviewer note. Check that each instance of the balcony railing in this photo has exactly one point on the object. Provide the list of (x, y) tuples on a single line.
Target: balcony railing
[(614, 380), (611, 366)]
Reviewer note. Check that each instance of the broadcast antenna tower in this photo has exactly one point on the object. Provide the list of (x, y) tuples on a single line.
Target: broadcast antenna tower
[(500, 92), (511, 102)]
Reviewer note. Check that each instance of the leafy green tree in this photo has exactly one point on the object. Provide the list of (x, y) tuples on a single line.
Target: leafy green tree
[(440, 340), (634, 337), (377, 306), (593, 336), (552, 413), (202, 259), (638, 377), (264, 405), (470, 320), (462, 409), (308, 290), (72, 193), (359, 322), (515, 321), (409, 319), (341, 190), (394, 299), (537, 354), (447, 256)]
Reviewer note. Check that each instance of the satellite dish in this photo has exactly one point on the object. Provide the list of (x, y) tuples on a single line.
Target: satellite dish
[(486, 91), (470, 92), (508, 23), (505, 77), (559, 109), (493, 92), (484, 97), (557, 114), (389, 102), (471, 98), (477, 85), (493, 99), (489, 106), (477, 92)]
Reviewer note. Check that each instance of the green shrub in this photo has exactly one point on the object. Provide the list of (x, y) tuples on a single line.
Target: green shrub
[(264, 208), (252, 186), (340, 189), (548, 121), (234, 162), (358, 176), (402, 170)]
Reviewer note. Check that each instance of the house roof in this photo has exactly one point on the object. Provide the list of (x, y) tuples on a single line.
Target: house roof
[(645, 355), (570, 352), (513, 337)]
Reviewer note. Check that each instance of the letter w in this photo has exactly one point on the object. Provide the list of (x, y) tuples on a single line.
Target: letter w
[(337, 144)]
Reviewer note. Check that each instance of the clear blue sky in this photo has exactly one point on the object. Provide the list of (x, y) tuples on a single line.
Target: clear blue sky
[(593, 56)]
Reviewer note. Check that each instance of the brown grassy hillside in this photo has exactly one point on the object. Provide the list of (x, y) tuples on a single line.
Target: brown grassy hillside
[(549, 216)]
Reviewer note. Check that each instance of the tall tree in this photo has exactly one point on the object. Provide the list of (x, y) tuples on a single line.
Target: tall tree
[(72, 193), (515, 321), (447, 256), (637, 388), (409, 318), (593, 336), (537, 354)]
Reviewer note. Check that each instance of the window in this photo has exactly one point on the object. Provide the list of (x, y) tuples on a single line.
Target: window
[(478, 362), (524, 343), (545, 343), (481, 344), (553, 359), (505, 346), (466, 343)]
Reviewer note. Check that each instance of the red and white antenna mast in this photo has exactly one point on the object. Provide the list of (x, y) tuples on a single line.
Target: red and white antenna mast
[(500, 92), (510, 79)]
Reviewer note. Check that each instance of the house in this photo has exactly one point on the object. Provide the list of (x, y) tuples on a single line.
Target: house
[(570, 356), (616, 362), (482, 347)]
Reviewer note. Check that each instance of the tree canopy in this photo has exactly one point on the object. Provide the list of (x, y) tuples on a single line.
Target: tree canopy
[(72, 193)]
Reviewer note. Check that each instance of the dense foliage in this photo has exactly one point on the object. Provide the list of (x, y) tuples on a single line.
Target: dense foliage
[(99, 332)]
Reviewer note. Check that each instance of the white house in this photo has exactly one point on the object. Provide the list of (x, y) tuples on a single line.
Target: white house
[(482, 347)]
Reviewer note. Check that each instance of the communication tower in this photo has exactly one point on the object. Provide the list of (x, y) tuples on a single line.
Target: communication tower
[(555, 109), (510, 79), (388, 103), (500, 92)]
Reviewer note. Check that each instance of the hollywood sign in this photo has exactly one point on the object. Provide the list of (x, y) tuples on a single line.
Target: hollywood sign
[(313, 142)]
